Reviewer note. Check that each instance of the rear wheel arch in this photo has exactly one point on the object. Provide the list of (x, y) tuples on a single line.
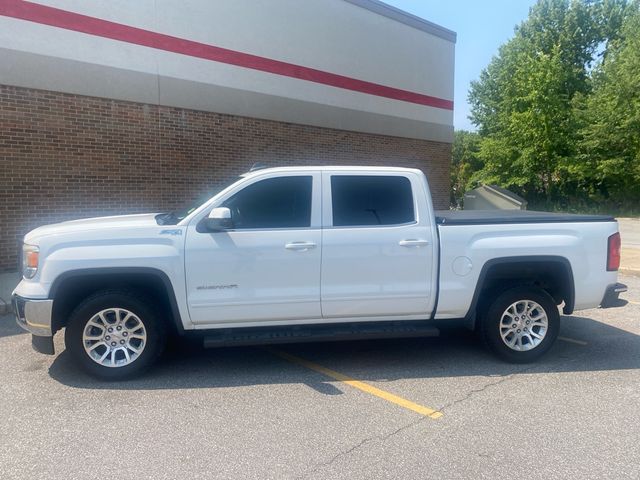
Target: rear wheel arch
[(551, 273), (72, 287)]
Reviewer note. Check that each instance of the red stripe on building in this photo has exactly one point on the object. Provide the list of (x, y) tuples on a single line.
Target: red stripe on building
[(56, 17)]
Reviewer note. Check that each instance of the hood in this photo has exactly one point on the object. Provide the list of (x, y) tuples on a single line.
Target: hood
[(87, 224)]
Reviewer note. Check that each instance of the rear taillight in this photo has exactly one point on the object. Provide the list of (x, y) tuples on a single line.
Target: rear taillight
[(613, 253)]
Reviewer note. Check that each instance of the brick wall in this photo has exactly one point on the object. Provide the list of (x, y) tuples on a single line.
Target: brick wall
[(67, 156)]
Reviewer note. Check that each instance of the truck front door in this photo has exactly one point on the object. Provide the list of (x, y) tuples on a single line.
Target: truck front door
[(267, 266)]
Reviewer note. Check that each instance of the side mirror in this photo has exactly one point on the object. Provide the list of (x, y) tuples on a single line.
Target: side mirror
[(219, 219)]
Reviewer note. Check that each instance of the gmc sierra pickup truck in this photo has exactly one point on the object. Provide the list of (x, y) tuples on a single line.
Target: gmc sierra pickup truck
[(299, 254)]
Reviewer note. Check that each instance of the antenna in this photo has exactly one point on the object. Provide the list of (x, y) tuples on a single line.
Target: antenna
[(257, 166)]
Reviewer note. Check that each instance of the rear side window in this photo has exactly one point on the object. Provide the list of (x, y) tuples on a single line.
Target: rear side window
[(361, 200), (283, 202)]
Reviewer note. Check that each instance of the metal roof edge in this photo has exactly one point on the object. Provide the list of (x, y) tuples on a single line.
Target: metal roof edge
[(401, 16), (513, 197)]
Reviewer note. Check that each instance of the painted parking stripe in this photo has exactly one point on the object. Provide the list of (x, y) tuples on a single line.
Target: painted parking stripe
[(573, 340), (365, 387)]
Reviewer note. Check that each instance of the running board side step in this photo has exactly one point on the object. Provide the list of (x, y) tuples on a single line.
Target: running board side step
[(318, 333)]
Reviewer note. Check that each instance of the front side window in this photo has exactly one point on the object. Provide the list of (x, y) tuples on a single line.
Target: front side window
[(361, 200), (282, 202)]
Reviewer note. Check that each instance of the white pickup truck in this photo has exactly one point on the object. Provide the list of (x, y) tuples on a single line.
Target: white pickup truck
[(298, 254)]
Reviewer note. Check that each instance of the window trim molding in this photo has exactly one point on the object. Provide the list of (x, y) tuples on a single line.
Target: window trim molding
[(217, 201), (281, 177), (328, 190), (389, 225)]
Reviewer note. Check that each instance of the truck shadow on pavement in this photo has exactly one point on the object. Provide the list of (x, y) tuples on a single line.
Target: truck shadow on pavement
[(585, 345), (9, 327)]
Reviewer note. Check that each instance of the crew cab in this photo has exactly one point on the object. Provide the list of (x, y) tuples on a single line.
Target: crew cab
[(296, 254)]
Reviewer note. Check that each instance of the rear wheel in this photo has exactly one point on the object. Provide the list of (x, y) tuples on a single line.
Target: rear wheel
[(521, 324), (115, 334)]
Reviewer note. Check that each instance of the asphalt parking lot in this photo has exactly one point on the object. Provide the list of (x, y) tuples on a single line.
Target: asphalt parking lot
[(278, 413)]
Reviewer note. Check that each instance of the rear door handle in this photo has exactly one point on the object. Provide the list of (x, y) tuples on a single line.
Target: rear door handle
[(413, 242), (300, 246)]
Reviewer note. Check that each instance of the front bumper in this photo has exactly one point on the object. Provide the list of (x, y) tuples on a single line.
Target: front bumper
[(611, 297), (35, 316)]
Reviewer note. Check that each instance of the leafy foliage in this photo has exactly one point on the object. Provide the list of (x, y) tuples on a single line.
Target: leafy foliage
[(558, 108), (608, 159), (466, 146)]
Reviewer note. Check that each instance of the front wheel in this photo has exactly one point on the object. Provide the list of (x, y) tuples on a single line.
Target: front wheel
[(521, 324), (115, 335)]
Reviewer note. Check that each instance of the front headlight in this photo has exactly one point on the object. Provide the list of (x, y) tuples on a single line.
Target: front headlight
[(30, 259)]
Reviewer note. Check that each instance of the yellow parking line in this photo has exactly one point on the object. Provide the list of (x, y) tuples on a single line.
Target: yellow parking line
[(573, 340), (365, 387), (634, 303)]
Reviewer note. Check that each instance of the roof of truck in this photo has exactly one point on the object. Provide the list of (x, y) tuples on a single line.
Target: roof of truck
[(330, 168)]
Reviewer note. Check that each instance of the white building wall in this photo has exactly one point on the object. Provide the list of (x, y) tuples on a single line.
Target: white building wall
[(311, 41)]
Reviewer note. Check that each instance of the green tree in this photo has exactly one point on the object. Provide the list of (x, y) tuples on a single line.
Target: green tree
[(523, 102), (466, 146), (608, 159)]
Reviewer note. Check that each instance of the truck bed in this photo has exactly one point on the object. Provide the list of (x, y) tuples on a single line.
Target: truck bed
[(497, 217)]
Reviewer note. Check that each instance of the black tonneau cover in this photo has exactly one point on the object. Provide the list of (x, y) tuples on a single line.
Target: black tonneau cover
[(492, 217)]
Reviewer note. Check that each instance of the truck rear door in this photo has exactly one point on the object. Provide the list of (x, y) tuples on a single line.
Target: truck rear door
[(377, 245)]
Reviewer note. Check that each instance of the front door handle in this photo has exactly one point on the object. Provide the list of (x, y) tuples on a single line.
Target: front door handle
[(413, 242), (302, 246)]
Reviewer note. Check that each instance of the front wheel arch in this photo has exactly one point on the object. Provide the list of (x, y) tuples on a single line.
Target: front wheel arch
[(72, 287)]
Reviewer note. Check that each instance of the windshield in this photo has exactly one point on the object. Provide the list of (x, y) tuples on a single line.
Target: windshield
[(172, 218)]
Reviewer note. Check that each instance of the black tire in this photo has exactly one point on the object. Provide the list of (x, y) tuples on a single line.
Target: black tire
[(490, 322), (138, 304)]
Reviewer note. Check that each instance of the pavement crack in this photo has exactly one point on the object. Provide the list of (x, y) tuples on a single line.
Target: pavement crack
[(474, 392), (382, 438)]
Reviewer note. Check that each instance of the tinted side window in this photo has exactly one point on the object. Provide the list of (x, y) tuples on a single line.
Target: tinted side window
[(371, 200), (283, 202)]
